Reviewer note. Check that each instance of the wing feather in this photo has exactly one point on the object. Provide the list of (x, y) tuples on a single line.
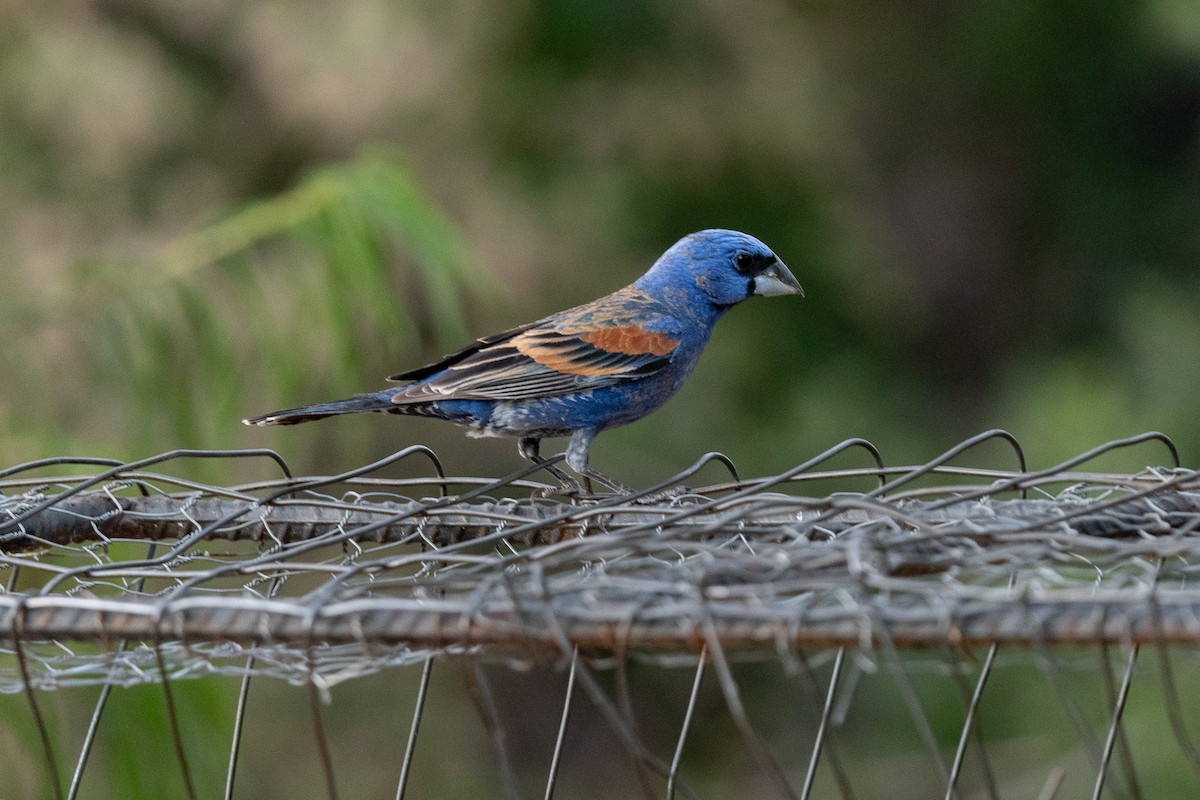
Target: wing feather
[(566, 353), (478, 346)]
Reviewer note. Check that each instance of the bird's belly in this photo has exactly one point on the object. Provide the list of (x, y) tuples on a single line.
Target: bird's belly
[(596, 409)]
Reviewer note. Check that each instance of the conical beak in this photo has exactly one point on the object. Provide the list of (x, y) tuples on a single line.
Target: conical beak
[(775, 280)]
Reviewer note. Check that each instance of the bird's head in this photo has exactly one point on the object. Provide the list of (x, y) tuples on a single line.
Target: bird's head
[(719, 267)]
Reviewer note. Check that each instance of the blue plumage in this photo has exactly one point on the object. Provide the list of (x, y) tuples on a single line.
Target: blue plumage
[(589, 368)]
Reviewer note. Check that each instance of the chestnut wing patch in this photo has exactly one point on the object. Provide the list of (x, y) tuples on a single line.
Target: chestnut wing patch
[(621, 351), (630, 340), (546, 362)]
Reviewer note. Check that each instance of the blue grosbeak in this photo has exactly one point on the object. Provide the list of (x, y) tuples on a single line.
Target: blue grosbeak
[(592, 367)]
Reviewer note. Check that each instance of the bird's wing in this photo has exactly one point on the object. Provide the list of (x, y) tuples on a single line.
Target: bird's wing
[(420, 373), (625, 336)]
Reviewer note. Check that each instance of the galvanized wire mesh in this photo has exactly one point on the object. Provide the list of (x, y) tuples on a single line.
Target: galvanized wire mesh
[(120, 574)]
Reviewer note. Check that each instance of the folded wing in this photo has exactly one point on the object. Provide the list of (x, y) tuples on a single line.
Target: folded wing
[(567, 353)]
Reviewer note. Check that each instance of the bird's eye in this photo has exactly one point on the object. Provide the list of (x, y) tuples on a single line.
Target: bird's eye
[(751, 263)]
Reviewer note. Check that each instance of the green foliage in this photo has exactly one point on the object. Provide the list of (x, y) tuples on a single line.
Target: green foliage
[(993, 207), (138, 734), (275, 299)]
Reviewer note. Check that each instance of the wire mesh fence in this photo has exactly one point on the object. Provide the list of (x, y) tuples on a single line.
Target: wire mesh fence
[(122, 574)]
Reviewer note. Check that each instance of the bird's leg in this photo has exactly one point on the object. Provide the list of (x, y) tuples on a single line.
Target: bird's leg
[(529, 446), (577, 459)]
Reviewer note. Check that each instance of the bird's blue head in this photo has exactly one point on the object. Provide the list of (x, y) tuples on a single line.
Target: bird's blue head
[(710, 271)]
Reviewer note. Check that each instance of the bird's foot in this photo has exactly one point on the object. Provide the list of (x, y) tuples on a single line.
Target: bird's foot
[(673, 495), (567, 486), (581, 493), (569, 489), (611, 484)]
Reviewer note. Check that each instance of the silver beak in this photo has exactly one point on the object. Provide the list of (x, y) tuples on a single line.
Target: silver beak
[(775, 280)]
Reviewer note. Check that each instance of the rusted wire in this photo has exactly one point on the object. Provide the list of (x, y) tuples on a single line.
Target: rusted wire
[(323, 579)]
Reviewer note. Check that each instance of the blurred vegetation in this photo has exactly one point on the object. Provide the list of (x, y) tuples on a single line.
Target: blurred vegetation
[(216, 209), (237, 207)]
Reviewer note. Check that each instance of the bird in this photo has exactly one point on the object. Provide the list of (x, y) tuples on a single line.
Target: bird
[(586, 369)]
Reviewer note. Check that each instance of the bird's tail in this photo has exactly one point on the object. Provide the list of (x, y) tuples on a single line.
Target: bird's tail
[(375, 401)]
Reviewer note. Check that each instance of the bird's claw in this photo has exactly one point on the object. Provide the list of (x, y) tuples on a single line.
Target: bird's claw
[(569, 489), (669, 495)]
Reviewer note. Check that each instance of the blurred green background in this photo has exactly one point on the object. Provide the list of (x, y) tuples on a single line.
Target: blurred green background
[(211, 209)]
